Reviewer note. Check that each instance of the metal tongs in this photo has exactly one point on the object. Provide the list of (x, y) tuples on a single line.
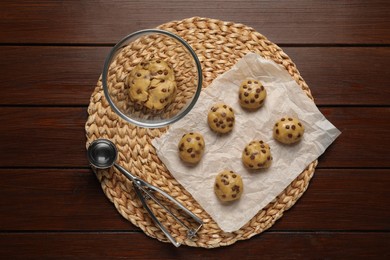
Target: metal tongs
[(102, 154)]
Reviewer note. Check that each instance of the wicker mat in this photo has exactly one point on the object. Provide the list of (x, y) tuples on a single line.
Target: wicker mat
[(219, 45)]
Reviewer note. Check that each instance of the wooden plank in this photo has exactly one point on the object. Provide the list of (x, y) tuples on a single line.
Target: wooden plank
[(72, 199), (67, 75), (312, 245), (64, 76), (55, 137), (291, 22), (348, 76), (56, 199)]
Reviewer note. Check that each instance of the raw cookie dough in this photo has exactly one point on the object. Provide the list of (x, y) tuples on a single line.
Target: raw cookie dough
[(191, 147), (257, 155), (228, 186), (251, 94), (221, 118), (288, 130), (152, 85)]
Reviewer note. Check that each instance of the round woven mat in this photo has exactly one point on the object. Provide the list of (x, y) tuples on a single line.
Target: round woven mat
[(219, 45)]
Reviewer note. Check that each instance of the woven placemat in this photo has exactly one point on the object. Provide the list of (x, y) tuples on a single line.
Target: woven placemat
[(219, 45)]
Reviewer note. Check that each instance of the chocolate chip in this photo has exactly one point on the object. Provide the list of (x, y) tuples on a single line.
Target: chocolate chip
[(197, 138), (215, 120), (257, 96), (217, 185), (246, 101), (160, 72), (214, 109), (290, 119), (158, 61), (162, 101), (287, 127), (223, 114), (230, 125), (277, 131), (139, 91), (293, 127), (283, 119), (193, 155), (252, 100), (224, 106), (200, 144), (246, 94), (263, 151), (300, 124), (165, 72), (249, 89), (260, 164), (258, 90), (252, 157), (234, 176), (220, 122), (240, 96), (234, 195), (249, 82), (138, 74), (188, 139), (245, 87), (256, 82), (250, 165), (230, 109), (223, 126), (299, 135), (236, 188), (262, 146), (268, 158), (164, 90), (224, 196), (290, 135), (262, 87), (261, 142), (189, 150)]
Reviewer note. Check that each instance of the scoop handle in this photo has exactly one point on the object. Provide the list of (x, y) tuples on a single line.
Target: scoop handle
[(125, 172)]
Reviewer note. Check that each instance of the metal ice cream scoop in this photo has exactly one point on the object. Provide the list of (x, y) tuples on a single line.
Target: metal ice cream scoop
[(102, 154)]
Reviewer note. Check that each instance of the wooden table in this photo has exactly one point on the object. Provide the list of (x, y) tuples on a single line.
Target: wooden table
[(51, 55)]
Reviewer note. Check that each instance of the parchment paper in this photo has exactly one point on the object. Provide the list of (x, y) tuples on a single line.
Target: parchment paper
[(284, 97)]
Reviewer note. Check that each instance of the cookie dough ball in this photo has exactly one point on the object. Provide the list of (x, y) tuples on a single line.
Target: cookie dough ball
[(288, 130), (152, 85), (191, 147), (228, 186), (251, 94), (257, 155), (221, 118)]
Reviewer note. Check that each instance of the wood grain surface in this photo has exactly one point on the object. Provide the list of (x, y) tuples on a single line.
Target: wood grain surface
[(51, 56)]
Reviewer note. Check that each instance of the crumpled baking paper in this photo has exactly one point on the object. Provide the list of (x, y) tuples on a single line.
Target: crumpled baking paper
[(284, 97)]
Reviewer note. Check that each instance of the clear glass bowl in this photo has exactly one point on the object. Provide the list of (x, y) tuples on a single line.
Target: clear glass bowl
[(144, 46)]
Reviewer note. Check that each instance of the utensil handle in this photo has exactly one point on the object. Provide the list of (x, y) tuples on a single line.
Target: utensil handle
[(155, 220), (125, 172)]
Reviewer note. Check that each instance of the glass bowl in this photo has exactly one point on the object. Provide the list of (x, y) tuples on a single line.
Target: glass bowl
[(151, 45)]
